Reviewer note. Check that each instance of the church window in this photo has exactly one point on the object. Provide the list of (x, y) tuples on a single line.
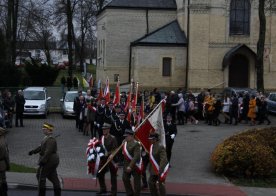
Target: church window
[(240, 17), (167, 65)]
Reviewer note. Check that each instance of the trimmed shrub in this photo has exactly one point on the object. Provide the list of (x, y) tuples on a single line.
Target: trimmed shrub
[(40, 74), (250, 154)]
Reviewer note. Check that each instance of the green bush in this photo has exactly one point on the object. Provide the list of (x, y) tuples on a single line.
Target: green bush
[(10, 75), (40, 74), (250, 154)]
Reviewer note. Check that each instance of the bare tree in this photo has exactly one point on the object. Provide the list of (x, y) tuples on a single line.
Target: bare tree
[(86, 18)]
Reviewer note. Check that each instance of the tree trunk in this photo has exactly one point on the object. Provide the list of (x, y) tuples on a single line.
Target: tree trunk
[(70, 37), (9, 31), (260, 47)]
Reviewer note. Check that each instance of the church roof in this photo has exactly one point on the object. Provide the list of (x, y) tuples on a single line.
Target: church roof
[(168, 35), (149, 4)]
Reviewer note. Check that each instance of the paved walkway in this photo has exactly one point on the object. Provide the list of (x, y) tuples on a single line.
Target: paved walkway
[(191, 172)]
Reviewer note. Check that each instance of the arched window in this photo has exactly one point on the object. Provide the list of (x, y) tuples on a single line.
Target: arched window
[(240, 17)]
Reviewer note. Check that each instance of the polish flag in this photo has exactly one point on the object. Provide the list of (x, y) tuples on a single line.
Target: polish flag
[(107, 91), (90, 81), (153, 123), (117, 97)]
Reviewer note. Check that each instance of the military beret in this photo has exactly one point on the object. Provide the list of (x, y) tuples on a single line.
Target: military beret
[(48, 126), (106, 126), (122, 113), (128, 132)]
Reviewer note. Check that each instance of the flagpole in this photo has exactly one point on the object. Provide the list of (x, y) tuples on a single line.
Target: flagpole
[(117, 150), (111, 157), (149, 115)]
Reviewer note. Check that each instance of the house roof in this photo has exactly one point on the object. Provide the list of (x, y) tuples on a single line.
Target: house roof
[(235, 50), (149, 4), (168, 35), (33, 45)]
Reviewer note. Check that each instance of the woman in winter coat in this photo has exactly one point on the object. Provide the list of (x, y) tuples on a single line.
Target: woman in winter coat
[(252, 110), (181, 109)]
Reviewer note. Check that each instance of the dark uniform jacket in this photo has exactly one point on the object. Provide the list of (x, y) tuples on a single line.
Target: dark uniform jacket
[(19, 101), (160, 156), (120, 128), (48, 152), (100, 115), (169, 130)]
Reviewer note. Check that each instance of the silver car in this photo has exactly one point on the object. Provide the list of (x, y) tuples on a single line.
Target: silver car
[(67, 103), (37, 101), (271, 102)]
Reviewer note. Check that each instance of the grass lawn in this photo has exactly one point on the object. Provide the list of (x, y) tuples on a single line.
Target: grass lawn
[(21, 168)]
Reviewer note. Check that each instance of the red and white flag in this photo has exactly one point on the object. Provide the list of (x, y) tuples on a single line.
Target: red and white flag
[(153, 123), (117, 97), (107, 91), (90, 81)]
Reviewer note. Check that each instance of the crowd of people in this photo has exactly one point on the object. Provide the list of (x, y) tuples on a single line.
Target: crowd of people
[(111, 127), (9, 106)]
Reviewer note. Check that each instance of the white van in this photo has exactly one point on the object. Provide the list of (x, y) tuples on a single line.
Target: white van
[(37, 102)]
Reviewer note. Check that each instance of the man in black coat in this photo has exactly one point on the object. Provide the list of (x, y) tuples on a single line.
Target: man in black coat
[(170, 132), (100, 116), (19, 108), (77, 108)]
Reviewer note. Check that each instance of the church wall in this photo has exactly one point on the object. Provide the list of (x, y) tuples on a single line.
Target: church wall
[(147, 66), (210, 41), (121, 27)]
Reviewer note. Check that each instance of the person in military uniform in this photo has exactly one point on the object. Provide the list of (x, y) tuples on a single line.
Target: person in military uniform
[(109, 143), (132, 163), (158, 167), (120, 126), (48, 161), (100, 116), (4, 163), (170, 132)]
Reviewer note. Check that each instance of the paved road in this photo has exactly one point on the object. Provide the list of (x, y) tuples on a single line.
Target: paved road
[(14, 192), (190, 160)]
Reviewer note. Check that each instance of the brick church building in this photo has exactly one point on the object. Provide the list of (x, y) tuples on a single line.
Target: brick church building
[(184, 43)]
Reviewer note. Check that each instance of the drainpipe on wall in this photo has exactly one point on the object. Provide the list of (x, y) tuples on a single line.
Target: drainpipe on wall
[(130, 61), (188, 41), (147, 20)]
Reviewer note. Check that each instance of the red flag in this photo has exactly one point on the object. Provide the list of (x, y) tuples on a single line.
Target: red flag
[(90, 81), (107, 91), (127, 102), (117, 97), (154, 123), (142, 134), (100, 93)]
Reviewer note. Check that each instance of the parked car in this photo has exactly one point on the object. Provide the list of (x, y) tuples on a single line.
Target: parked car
[(271, 102), (67, 103), (37, 101), (233, 90)]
